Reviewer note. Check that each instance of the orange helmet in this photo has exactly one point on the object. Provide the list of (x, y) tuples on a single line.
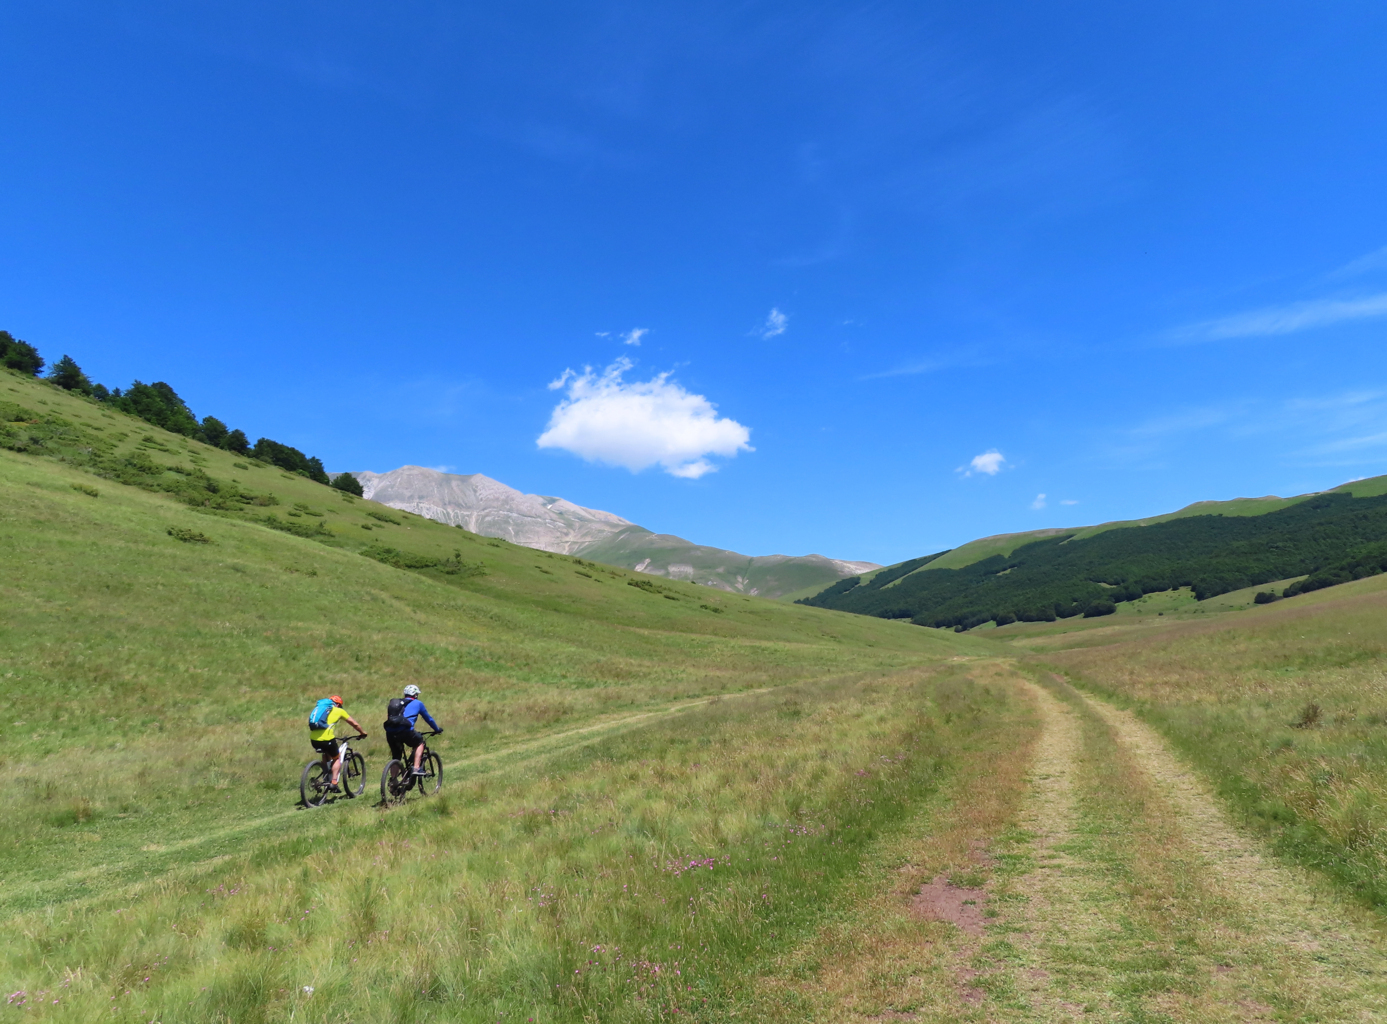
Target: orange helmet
[(336, 700)]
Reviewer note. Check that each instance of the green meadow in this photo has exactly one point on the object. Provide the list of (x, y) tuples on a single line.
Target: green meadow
[(661, 802)]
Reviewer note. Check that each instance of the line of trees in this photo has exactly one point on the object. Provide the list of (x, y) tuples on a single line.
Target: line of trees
[(1330, 539), (160, 405)]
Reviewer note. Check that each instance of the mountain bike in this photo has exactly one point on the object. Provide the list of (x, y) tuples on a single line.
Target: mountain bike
[(315, 785), (398, 778)]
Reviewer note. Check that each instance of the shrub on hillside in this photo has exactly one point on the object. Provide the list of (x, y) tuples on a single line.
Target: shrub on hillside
[(1098, 608), (1266, 597), (189, 536), (453, 566)]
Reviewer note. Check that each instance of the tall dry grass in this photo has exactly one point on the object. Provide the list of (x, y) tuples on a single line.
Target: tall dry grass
[(643, 878)]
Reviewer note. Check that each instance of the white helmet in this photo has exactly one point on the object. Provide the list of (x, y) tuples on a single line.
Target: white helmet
[(411, 690)]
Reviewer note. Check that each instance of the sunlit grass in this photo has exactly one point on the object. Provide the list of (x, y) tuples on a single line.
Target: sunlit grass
[(643, 875)]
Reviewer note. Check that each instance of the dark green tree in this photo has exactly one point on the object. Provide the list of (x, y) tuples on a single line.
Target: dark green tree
[(100, 393), (236, 441), (285, 457), (159, 404), (19, 355), (213, 431), (67, 375), (347, 482)]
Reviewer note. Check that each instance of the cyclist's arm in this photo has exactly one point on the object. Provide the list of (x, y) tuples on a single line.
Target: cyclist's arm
[(354, 724), (429, 718)]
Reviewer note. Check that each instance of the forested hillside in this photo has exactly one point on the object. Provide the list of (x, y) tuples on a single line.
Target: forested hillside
[(1329, 538)]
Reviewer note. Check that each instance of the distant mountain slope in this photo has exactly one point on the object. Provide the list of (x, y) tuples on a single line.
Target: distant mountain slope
[(1006, 543), (482, 505), (488, 507), (1212, 547)]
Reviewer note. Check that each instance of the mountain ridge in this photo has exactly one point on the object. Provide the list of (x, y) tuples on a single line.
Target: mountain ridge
[(488, 507)]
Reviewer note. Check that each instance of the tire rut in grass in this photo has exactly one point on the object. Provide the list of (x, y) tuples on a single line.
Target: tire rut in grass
[(1056, 901), (1289, 947), (172, 854)]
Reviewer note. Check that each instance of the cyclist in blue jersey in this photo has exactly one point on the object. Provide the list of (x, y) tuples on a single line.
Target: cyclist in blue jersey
[(403, 715)]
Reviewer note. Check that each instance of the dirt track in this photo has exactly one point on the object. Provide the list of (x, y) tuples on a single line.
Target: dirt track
[(1131, 896)]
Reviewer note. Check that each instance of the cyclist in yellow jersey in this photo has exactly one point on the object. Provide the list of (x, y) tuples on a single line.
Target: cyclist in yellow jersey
[(325, 740)]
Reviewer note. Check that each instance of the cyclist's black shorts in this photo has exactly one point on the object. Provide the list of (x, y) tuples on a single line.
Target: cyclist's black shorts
[(326, 746), (398, 740)]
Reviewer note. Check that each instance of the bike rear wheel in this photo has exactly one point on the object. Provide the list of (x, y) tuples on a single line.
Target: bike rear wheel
[(353, 775), (314, 784), (394, 783), (432, 779)]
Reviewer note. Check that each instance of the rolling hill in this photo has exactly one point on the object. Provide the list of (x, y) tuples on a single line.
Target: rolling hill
[(1210, 547), (490, 508)]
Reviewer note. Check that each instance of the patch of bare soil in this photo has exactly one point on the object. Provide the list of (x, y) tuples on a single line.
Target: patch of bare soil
[(941, 900)]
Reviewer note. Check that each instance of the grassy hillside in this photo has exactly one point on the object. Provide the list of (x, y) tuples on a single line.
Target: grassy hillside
[(160, 658), (1331, 538)]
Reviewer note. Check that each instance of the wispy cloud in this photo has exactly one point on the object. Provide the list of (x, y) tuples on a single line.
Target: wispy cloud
[(1185, 420), (963, 356), (639, 424), (1039, 502), (989, 463), (776, 323), (1288, 319), (1344, 429), (634, 336), (1373, 261), (1068, 501)]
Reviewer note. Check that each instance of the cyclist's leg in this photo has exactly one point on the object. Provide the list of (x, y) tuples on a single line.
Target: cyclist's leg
[(337, 764), (418, 751)]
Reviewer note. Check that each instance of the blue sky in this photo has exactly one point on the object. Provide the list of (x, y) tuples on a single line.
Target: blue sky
[(896, 269)]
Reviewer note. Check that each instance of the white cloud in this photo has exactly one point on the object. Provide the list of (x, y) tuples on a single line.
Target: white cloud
[(989, 462), (775, 324), (1298, 316), (640, 424), (1039, 502), (1068, 501), (634, 335)]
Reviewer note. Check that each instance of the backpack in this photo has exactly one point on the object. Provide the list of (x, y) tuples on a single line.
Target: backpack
[(395, 719), (317, 718)]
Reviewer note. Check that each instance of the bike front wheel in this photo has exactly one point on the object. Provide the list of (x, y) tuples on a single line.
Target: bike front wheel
[(432, 779), (353, 775), (394, 783), (315, 784)]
